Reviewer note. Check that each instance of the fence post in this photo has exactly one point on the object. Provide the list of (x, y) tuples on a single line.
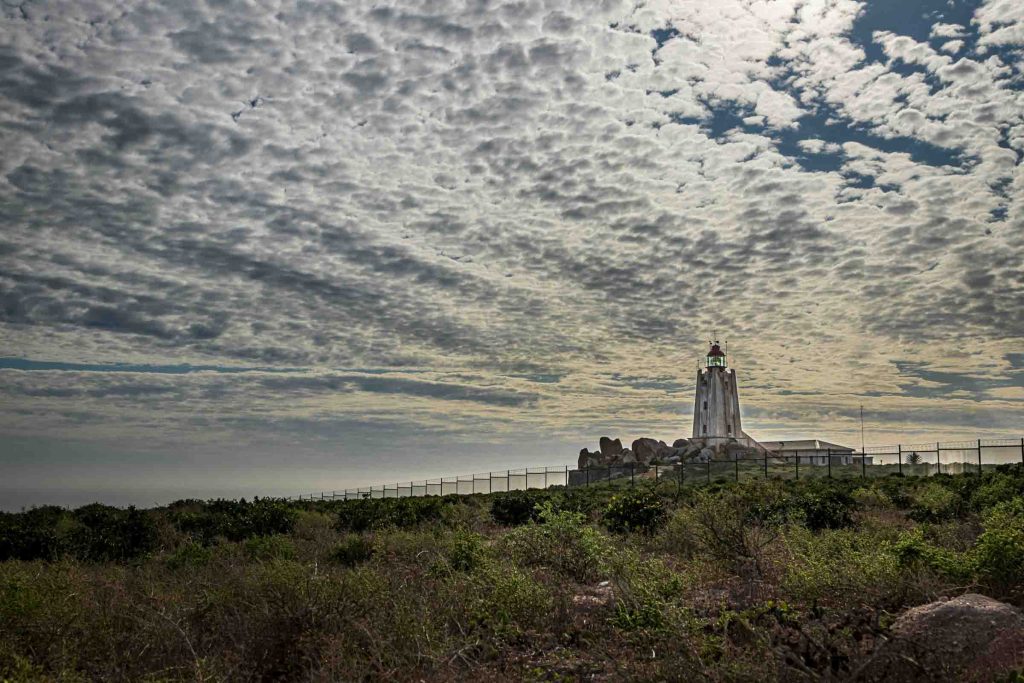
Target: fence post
[(798, 465), (545, 477), (938, 457), (979, 457), (737, 461), (899, 457), (863, 464), (566, 476), (829, 456), (1022, 450)]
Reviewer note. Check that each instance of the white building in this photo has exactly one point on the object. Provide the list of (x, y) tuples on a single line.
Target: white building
[(814, 452)]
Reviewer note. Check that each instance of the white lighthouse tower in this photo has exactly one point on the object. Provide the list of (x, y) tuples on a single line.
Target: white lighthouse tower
[(716, 406)]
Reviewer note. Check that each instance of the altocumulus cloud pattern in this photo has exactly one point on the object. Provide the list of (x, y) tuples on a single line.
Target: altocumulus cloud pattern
[(365, 232)]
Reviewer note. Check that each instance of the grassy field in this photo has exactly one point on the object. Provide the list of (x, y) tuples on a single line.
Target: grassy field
[(756, 580)]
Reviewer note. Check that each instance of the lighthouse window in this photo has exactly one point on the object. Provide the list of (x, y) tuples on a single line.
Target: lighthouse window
[(705, 405), (728, 429), (705, 429)]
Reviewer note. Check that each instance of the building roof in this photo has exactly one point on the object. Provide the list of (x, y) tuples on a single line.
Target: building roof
[(804, 445)]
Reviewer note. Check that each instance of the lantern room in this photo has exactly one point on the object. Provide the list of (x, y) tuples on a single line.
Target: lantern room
[(716, 357)]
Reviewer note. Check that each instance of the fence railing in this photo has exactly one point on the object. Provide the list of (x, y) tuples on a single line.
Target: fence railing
[(955, 457)]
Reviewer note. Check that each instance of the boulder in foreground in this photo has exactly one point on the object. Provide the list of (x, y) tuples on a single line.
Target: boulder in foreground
[(969, 638)]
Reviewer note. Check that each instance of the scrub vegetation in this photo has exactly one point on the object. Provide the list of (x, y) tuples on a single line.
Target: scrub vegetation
[(759, 580)]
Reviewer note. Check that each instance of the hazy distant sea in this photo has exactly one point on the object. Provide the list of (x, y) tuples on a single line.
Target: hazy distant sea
[(14, 499)]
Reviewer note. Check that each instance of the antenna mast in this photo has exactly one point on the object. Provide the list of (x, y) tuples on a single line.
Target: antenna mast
[(862, 430)]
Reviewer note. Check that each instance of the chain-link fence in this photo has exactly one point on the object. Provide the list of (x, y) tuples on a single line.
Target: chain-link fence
[(923, 459)]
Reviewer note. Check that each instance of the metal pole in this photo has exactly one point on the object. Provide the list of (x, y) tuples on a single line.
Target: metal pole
[(1022, 451), (899, 457), (979, 457), (863, 464), (938, 457), (545, 476), (798, 465), (829, 456)]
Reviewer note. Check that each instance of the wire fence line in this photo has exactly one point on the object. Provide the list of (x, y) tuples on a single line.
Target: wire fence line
[(922, 459)]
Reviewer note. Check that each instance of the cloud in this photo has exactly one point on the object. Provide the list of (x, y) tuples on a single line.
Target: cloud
[(459, 197)]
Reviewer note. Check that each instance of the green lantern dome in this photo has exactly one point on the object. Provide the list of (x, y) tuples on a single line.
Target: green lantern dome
[(716, 357)]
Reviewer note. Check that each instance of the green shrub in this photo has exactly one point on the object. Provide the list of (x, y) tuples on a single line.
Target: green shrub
[(735, 525), (352, 550), (189, 554), (516, 507), (563, 542), (998, 487), (380, 513), (824, 506), (638, 509), (104, 533), (466, 552), (646, 591), (31, 535), (999, 553), (839, 567), (508, 601), (235, 520), (914, 552), (934, 502), (274, 547)]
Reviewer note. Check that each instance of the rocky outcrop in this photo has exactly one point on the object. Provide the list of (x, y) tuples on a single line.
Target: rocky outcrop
[(972, 637), (649, 450), (610, 447), (644, 452)]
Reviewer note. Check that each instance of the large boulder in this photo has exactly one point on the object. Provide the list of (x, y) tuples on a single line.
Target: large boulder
[(681, 443), (610, 447), (649, 450), (584, 460), (704, 455), (972, 637)]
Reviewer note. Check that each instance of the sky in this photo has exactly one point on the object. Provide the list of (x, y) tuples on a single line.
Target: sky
[(281, 247)]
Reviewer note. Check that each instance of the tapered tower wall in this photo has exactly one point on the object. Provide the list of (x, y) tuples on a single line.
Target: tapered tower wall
[(716, 407)]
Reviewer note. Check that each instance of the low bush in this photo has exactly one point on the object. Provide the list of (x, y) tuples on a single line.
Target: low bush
[(352, 550), (466, 551), (839, 567), (998, 487), (517, 507), (638, 509), (934, 502), (380, 513), (274, 547), (914, 552), (234, 520), (999, 553), (825, 507), (189, 555), (94, 533), (563, 542)]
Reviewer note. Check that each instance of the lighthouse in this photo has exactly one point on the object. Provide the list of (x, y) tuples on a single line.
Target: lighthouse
[(716, 405)]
